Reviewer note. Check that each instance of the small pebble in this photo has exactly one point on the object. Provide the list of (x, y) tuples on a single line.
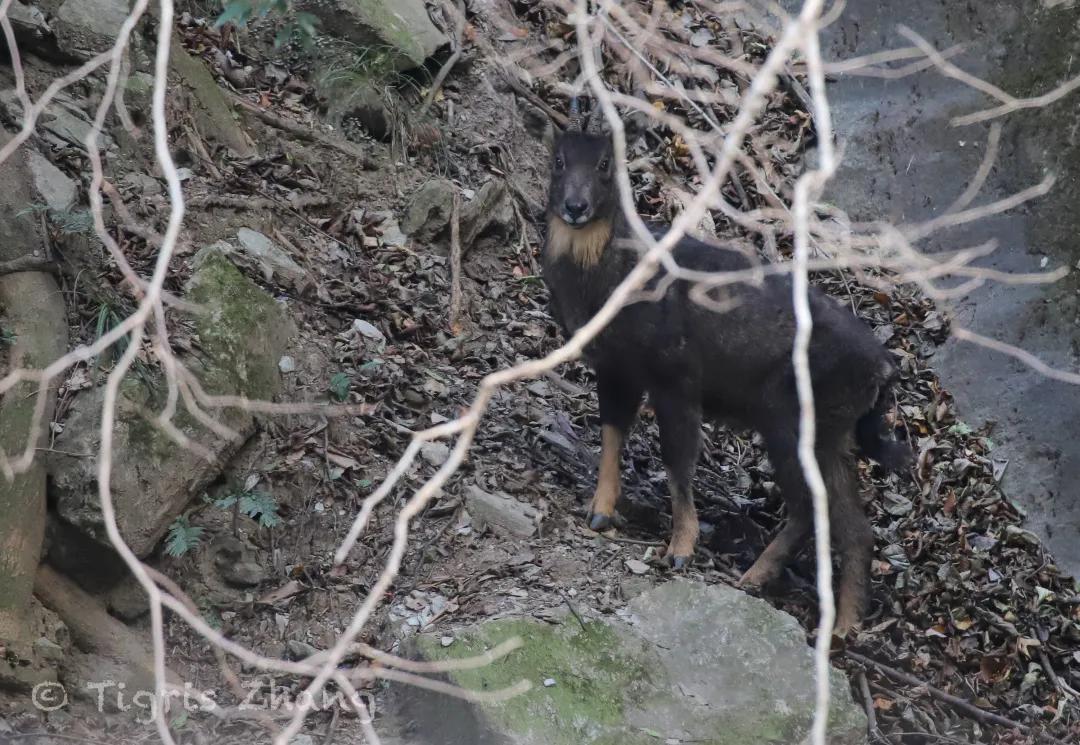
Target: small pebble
[(446, 641), (549, 682)]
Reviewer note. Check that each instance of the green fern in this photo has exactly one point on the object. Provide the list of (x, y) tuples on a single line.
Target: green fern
[(255, 504), (260, 506), (339, 386), (183, 537), (300, 27)]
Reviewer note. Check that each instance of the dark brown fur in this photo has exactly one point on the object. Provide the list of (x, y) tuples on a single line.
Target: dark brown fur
[(735, 367)]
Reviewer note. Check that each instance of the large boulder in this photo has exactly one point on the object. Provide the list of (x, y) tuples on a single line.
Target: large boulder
[(690, 663), (86, 27), (242, 334), (33, 34), (398, 34), (212, 112), (34, 323)]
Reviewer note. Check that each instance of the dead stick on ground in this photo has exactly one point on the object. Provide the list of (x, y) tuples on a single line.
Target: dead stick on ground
[(27, 264), (298, 130), (440, 77), (455, 266), (1060, 686), (962, 706), (868, 704), (534, 99)]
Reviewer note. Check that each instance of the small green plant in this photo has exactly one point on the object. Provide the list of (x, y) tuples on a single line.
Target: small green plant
[(107, 320), (354, 66), (255, 504), (960, 428), (183, 537), (300, 27), (180, 721), (339, 386), (68, 222), (7, 338)]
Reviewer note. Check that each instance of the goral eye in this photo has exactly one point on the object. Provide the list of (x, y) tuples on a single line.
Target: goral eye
[(603, 165), (559, 162)]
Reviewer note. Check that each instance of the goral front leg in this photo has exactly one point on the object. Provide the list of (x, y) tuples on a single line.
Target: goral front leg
[(679, 417), (619, 402), (608, 485)]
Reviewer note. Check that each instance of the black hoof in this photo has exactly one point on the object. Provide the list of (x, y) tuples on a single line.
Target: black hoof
[(679, 563), (599, 522)]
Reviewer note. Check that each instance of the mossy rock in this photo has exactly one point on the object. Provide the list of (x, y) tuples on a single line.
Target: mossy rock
[(242, 334), (239, 326), (397, 32), (697, 663)]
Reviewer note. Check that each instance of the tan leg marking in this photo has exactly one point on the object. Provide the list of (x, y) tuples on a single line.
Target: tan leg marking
[(608, 485), (684, 529)]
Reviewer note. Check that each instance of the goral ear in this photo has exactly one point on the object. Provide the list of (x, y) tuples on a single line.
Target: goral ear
[(538, 125)]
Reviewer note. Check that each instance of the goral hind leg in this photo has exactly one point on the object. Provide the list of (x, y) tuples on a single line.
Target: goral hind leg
[(799, 527)]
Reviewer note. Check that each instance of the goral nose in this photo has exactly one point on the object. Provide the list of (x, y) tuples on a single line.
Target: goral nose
[(575, 209)]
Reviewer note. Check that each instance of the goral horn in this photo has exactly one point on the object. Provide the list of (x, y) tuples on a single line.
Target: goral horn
[(574, 124), (596, 119)]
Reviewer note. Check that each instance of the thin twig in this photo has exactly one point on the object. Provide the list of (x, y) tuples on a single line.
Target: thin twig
[(957, 703), (455, 265), (440, 77), (868, 704)]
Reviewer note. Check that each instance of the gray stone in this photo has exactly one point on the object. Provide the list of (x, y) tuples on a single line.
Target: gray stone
[(127, 600), (271, 258), (34, 34), (435, 453), (392, 234), (242, 334), (399, 33), (27, 19), (68, 123), (299, 650), (237, 565), (694, 663), (63, 122), (501, 512), (429, 211), (138, 92), (47, 649), (87, 27), (203, 98), (369, 331), (58, 191), (489, 209)]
